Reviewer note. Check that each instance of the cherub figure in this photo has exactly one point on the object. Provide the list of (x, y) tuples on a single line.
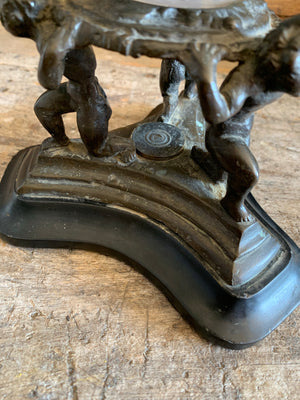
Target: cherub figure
[(83, 94), (172, 72), (268, 72), (64, 51)]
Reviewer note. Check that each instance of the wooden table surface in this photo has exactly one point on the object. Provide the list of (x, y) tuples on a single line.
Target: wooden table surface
[(284, 8), (83, 325)]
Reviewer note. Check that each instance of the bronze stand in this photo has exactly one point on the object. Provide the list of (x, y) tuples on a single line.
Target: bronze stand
[(171, 192)]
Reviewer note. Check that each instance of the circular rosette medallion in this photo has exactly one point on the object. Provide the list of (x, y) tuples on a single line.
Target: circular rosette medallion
[(158, 141)]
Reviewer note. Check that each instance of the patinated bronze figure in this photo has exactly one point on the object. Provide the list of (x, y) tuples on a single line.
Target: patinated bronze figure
[(171, 74), (171, 192), (269, 71), (82, 94), (63, 53)]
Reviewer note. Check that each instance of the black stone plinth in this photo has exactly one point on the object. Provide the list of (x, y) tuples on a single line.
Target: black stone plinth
[(52, 219)]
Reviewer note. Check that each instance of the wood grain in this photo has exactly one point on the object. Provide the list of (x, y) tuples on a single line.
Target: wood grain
[(81, 325), (284, 7)]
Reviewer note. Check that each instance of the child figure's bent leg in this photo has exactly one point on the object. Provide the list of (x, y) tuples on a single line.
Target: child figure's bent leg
[(171, 74), (49, 109), (189, 87), (234, 156), (93, 114)]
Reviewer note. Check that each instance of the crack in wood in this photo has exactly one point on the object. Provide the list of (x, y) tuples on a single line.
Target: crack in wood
[(71, 368), (104, 384), (147, 346)]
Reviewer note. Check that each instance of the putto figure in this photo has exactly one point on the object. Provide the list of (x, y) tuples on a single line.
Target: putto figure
[(83, 95), (63, 51), (172, 72), (268, 72)]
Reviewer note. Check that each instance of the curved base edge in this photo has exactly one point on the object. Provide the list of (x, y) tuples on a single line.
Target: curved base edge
[(217, 315)]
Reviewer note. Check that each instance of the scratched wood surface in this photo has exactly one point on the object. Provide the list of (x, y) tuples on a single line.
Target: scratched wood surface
[(82, 325), (284, 8)]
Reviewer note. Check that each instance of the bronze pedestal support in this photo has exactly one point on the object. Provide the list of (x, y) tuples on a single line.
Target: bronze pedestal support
[(170, 192)]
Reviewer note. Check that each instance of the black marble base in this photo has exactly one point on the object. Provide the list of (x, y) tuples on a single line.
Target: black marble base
[(232, 321)]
